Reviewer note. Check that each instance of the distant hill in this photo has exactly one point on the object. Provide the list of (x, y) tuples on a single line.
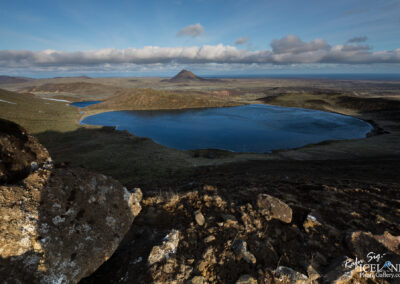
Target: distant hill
[(13, 80), (74, 77), (186, 76), (74, 88)]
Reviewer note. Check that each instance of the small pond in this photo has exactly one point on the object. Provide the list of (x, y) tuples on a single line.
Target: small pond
[(84, 104)]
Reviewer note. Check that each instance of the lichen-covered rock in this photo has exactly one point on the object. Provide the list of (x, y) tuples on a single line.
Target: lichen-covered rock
[(274, 208), (163, 251), (58, 225)]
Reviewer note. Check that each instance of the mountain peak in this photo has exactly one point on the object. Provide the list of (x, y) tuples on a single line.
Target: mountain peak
[(185, 75)]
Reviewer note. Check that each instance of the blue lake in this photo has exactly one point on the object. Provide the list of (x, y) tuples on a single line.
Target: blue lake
[(84, 104), (249, 128)]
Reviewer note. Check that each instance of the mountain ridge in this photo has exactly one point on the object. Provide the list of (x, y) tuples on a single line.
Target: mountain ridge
[(4, 79)]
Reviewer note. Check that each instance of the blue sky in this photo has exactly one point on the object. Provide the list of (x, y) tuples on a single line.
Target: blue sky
[(112, 37)]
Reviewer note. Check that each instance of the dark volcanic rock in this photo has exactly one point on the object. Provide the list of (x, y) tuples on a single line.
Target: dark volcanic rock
[(56, 225), (374, 249), (237, 241), (20, 153)]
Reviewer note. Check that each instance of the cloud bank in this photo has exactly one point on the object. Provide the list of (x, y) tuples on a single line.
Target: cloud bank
[(287, 50), (191, 30)]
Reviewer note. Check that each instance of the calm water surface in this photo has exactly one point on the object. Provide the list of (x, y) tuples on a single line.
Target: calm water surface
[(84, 104), (250, 128)]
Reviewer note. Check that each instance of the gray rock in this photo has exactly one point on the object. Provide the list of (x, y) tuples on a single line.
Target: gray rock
[(240, 248), (168, 247), (274, 208)]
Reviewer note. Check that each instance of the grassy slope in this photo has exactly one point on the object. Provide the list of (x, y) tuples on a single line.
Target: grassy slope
[(335, 102), (128, 158), (73, 91), (75, 87), (36, 114), (146, 99)]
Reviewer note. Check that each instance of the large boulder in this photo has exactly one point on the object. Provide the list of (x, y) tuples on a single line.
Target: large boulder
[(57, 225)]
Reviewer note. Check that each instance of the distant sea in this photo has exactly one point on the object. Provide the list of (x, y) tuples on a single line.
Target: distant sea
[(377, 77)]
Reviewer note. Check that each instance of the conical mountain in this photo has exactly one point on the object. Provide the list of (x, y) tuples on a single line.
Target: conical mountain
[(185, 76)]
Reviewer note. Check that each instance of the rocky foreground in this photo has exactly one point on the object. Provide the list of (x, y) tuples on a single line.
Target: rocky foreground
[(229, 225), (281, 231), (57, 225)]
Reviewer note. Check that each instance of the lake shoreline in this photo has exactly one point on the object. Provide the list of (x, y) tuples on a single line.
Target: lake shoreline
[(375, 129)]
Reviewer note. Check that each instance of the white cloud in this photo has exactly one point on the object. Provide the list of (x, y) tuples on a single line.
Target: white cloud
[(192, 30), (293, 44), (285, 51)]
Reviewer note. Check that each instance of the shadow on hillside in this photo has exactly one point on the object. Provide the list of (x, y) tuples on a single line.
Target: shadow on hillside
[(139, 162), (125, 157)]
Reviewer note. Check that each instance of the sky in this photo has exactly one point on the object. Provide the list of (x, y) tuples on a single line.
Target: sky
[(213, 37)]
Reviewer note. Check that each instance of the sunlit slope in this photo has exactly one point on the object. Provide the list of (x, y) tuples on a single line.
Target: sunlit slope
[(73, 91), (37, 114), (146, 99)]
